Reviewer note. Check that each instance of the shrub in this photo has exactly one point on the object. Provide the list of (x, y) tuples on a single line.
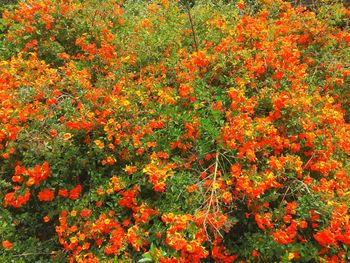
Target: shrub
[(124, 140)]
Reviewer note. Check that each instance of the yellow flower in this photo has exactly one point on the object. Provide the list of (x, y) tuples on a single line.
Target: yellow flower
[(73, 239), (290, 256)]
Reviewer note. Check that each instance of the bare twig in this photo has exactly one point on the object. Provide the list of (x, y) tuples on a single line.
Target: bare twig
[(289, 188), (285, 194), (30, 254), (303, 184), (213, 190), (308, 161)]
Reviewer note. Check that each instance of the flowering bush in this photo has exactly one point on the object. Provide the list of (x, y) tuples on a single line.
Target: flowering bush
[(153, 131)]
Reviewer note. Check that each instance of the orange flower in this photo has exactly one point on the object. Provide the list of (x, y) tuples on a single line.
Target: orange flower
[(255, 253), (240, 4), (192, 188), (130, 169), (7, 244), (67, 136), (291, 208), (226, 197), (30, 182), (100, 191), (16, 200), (46, 195), (303, 224), (264, 220), (159, 187), (63, 193), (325, 237), (17, 179), (46, 219), (53, 133), (74, 193), (282, 237), (85, 212), (99, 144), (5, 156), (165, 3)]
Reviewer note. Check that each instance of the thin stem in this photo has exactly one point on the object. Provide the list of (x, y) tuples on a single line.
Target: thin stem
[(192, 25)]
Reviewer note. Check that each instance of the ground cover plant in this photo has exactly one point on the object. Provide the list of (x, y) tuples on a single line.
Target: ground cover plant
[(174, 131)]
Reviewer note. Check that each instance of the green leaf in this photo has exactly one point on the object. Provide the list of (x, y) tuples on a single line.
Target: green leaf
[(146, 258)]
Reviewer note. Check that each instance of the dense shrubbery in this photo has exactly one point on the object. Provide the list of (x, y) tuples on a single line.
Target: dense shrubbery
[(123, 141)]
